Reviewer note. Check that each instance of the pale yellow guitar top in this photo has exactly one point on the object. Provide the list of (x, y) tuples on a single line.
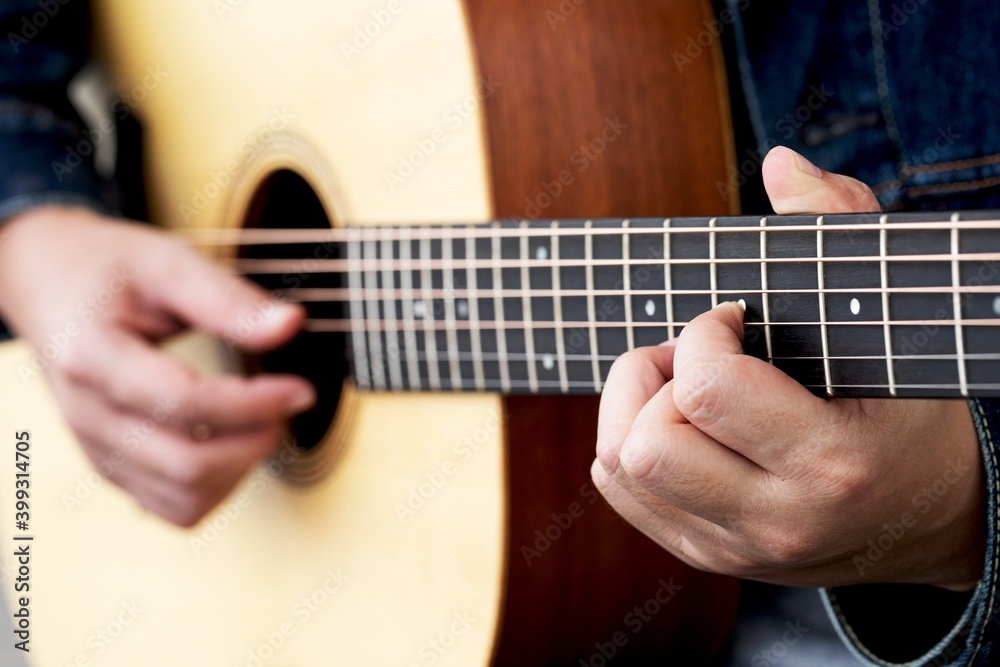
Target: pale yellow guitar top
[(324, 575)]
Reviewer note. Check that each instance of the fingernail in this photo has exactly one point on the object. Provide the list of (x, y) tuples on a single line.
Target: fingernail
[(301, 400), (743, 304), (807, 167)]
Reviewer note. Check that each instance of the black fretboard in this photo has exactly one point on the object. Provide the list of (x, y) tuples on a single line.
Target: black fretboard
[(850, 305)]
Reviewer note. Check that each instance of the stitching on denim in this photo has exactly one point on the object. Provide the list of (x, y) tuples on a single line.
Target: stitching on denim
[(988, 437), (953, 165), (849, 631), (958, 186), (882, 82)]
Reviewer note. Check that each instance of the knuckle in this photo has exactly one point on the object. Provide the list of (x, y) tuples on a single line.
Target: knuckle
[(72, 363), (602, 480), (649, 457), (190, 473), (791, 549), (186, 514), (696, 393)]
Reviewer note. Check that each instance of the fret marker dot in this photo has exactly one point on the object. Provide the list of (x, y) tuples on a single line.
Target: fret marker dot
[(542, 253), (462, 307), (855, 306), (418, 309), (650, 308), (996, 305), (548, 362)]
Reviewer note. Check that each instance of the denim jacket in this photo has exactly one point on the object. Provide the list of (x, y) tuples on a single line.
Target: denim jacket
[(905, 96), (902, 94), (45, 153)]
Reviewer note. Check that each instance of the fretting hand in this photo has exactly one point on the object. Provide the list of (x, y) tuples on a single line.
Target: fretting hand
[(735, 468)]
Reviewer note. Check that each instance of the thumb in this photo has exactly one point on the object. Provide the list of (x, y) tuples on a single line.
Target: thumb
[(796, 185), (200, 293)]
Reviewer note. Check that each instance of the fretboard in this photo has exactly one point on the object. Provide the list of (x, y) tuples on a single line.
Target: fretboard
[(850, 305)]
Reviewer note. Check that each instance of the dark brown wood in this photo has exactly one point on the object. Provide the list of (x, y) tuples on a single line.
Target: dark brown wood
[(568, 71)]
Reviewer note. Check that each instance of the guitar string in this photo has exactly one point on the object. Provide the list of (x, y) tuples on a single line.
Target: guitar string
[(240, 236), (339, 294), (320, 266), (333, 325), (542, 356), (494, 385)]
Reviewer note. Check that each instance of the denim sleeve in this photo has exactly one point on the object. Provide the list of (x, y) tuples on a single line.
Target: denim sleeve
[(47, 156), (954, 629)]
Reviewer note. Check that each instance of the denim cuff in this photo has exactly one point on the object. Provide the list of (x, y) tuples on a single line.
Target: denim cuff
[(47, 160), (970, 641)]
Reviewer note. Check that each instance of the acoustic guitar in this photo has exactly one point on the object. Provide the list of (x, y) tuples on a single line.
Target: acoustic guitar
[(435, 508)]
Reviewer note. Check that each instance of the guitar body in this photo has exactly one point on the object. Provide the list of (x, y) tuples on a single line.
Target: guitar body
[(433, 528)]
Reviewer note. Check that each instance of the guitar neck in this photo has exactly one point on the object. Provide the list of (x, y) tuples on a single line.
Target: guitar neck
[(849, 305)]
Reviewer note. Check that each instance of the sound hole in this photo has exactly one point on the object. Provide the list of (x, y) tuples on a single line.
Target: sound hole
[(285, 200)]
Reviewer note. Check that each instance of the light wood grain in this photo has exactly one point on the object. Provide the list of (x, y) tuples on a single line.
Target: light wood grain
[(406, 580)]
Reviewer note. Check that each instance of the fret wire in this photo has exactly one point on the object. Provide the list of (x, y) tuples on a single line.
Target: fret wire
[(409, 323), (627, 286), (358, 334), (595, 366), (821, 284), (477, 343), (501, 336), (713, 274), (667, 278), (956, 281), (392, 351), (451, 334), (272, 266), (430, 328), (883, 244), (766, 308), (529, 338), (558, 315), (228, 236), (378, 357)]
